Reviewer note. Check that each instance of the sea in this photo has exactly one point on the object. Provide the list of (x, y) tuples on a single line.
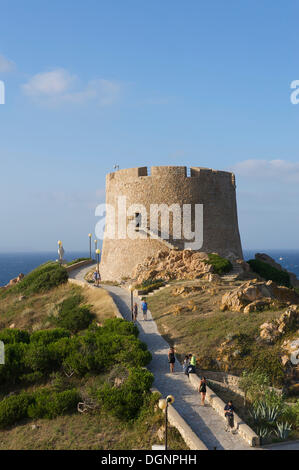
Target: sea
[(12, 264)]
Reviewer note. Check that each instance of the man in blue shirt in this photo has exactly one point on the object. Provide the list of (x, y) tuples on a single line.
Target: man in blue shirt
[(144, 309)]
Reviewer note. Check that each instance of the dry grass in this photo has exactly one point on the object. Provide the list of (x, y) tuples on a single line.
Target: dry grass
[(102, 304), (31, 313), (96, 430), (194, 323)]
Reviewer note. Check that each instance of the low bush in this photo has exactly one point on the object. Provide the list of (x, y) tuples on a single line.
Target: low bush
[(73, 316), (14, 365), (49, 336), (48, 404), (120, 326), (11, 336), (270, 273), (96, 350), (44, 403), (42, 279), (126, 401), (14, 409), (220, 265)]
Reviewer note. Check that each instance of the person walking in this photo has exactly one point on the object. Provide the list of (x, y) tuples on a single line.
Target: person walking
[(186, 364), (144, 309), (97, 278), (229, 415), (171, 359), (203, 390), (135, 312), (192, 360)]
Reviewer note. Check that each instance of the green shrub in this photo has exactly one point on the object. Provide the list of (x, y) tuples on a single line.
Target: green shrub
[(38, 357), (49, 336), (44, 403), (14, 408), (120, 326), (11, 336), (14, 365), (270, 273), (126, 401), (48, 404), (73, 316), (42, 279), (220, 265), (94, 351)]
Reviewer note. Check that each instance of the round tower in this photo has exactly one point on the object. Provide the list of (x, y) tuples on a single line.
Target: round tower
[(200, 202)]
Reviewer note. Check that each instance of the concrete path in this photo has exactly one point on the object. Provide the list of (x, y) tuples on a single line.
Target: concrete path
[(204, 421)]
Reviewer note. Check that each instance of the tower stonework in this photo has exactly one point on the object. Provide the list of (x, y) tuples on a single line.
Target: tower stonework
[(215, 190)]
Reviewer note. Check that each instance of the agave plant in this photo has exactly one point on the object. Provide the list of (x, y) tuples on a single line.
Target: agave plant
[(283, 430), (264, 412), (263, 432)]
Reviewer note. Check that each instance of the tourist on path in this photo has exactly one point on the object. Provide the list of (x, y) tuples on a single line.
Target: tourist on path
[(192, 360), (203, 390), (144, 309), (135, 312), (229, 415), (186, 364), (171, 359), (97, 278)]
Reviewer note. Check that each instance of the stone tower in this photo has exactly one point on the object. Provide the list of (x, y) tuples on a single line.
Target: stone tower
[(214, 191)]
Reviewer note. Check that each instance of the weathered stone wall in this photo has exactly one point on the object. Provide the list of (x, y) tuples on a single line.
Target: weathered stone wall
[(171, 185)]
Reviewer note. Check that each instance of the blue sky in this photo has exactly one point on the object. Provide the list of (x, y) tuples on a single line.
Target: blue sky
[(94, 83)]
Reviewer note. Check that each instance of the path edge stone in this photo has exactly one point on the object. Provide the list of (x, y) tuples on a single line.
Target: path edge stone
[(243, 429), (176, 420)]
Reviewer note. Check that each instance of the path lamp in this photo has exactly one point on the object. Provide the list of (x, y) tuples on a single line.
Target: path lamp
[(89, 236), (163, 405), (95, 245), (98, 259), (131, 288)]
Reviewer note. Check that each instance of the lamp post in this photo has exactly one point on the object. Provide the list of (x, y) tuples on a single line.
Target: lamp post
[(131, 290), (89, 236), (163, 405), (98, 259), (95, 246)]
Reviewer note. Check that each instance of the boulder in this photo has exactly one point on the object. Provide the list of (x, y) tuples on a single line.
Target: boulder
[(257, 305), (288, 321), (252, 291), (173, 264)]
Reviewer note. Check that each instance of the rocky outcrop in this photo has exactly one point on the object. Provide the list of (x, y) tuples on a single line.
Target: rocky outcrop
[(15, 280), (256, 295), (288, 321), (267, 259), (173, 264)]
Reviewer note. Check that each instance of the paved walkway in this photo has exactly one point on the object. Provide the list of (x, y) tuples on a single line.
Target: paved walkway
[(204, 421)]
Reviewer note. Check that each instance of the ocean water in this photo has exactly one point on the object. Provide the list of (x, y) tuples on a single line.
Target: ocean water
[(12, 264)]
